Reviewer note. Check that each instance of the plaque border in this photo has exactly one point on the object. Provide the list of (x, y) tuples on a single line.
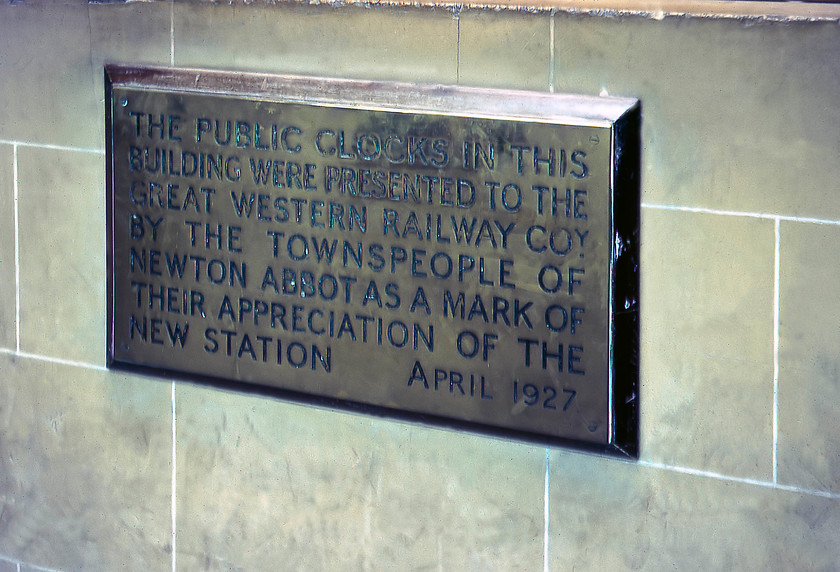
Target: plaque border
[(621, 115)]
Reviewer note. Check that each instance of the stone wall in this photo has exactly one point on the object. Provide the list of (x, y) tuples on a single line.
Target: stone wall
[(740, 368)]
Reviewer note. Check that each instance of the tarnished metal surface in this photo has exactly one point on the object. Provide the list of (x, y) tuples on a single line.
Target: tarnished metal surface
[(431, 250)]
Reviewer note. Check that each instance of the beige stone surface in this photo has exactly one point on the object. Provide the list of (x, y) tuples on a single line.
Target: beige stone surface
[(501, 49), (262, 481), (736, 115), (7, 248), (707, 342), (137, 33), (84, 467), (46, 92), (357, 42), (51, 56), (62, 253), (609, 515), (809, 357)]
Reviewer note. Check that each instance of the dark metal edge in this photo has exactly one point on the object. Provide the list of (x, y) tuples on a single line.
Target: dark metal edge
[(573, 109), (109, 219), (426, 420), (625, 287)]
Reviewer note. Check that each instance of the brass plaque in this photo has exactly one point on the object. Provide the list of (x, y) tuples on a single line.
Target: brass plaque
[(463, 254)]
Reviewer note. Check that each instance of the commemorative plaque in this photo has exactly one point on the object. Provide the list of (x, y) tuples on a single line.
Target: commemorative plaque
[(459, 255)]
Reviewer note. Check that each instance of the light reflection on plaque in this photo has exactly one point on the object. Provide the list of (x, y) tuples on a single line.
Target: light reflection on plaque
[(465, 254)]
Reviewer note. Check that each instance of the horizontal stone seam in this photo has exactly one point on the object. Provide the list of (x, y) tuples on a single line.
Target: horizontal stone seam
[(18, 563), (744, 480), (51, 146), (27, 355), (650, 464), (652, 206), (745, 214)]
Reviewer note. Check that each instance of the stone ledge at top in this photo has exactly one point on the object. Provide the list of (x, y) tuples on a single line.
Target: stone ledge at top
[(809, 10)]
